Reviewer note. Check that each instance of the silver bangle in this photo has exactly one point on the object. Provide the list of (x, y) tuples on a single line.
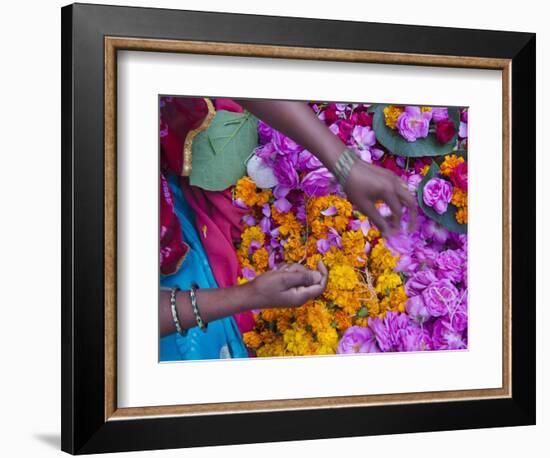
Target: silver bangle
[(343, 166), (193, 295), (173, 296)]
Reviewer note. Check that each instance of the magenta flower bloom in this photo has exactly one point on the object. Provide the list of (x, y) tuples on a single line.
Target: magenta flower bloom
[(440, 113), (319, 182), (437, 194), (414, 338), (413, 123), (445, 337), (419, 282), (283, 205), (451, 265), (417, 309), (285, 172), (387, 330), (440, 297), (307, 161), (358, 339), (265, 132), (248, 273)]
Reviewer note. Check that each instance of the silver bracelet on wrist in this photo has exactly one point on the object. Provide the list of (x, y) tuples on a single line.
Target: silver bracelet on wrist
[(193, 295), (343, 166), (175, 317)]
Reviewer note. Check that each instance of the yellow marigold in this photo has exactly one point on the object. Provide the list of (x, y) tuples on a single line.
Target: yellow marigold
[(381, 259), (460, 198), (319, 222), (461, 215), (327, 341), (245, 190), (362, 321), (260, 259), (397, 300), (334, 257), (424, 171), (343, 320), (386, 282), (342, 277), (318, 316), (450, 162), (313, 260), (252, 339), (354, 247), (276, 348), (263, 197), (294, 249), (297, 341), (391, 113), (424, 109)]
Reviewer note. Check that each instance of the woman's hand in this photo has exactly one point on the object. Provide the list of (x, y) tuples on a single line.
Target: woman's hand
[(368, 183), (291, 285)]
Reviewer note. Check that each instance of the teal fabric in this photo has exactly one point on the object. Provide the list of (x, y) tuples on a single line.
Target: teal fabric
[(222, 338)]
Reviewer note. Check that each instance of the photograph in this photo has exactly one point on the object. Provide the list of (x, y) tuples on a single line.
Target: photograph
[(307, 228)]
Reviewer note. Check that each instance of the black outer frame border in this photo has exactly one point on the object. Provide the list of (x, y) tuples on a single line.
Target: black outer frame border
[(83, 428)]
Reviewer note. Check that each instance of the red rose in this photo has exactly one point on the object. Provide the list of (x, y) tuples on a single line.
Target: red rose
[(444, 130), (330, 115), (362, 119), (459, 176), (390, 164)]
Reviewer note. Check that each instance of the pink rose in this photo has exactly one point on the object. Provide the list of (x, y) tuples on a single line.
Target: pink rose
[(440, 297), (437, 194)]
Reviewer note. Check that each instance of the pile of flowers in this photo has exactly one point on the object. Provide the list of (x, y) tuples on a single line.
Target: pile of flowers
[(406, 293)]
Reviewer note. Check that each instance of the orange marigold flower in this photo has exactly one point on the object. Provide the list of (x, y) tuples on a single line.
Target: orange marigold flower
[(460, 198), (461, 215), (252, 339), (450, 162), (424, 171), (391, 113)]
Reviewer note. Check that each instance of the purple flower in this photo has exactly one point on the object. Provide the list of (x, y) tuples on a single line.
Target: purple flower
[(286, 145), (440, 114), (358, 339), (248, 273), (376, 153), (437, 194), (265, 132), (450, 264), (319, 182), (463, 130), (413, 123), (249, 220), (431, 230), (285, 172), (417, 309), (440, 297), (363, 136), (283, 205), (419, 282), (307, 161), (414, 338), (330, 211), (323, 246), (445, 337), (265, 224), (388, 329)]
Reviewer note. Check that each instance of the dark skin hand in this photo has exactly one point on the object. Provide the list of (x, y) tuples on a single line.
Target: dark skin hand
[(366, 183), (290, 285)]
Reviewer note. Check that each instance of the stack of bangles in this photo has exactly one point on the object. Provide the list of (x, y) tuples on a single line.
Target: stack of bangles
[(343, 166), (194, 305)]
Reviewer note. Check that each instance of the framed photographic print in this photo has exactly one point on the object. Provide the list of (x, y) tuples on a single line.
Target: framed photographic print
[(284, 228)]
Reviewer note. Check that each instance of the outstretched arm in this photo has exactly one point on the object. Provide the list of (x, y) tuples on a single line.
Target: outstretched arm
[(289, 286), (366, 183)]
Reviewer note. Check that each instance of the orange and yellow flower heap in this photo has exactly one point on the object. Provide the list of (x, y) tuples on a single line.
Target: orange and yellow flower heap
[(361, 285)]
